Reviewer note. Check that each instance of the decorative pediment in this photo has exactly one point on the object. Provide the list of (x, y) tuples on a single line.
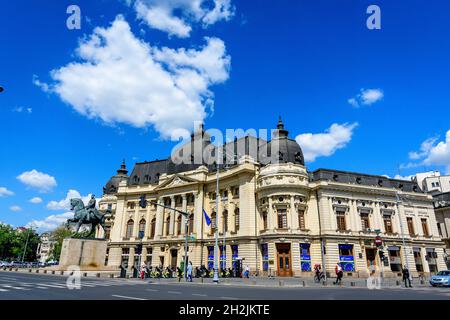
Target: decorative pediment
[(176, 181)]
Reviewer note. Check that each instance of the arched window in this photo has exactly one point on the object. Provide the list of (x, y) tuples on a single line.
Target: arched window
[(130, 225), (157, 178), (236, 219), (141, 229), (179, 226), (167, 225), (225, 220), (135, 179), (152, 228)]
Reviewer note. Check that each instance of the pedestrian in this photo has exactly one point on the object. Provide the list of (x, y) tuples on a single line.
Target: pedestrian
[(189, 271), (339, 273), (247, 271), (143, 269), (406, 277)]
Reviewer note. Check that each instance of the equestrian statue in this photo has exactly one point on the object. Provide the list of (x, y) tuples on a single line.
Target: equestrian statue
[(87, 215)]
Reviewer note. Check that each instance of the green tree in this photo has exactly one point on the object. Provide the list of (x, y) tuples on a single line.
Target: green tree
[(58, 235), (13, 243)]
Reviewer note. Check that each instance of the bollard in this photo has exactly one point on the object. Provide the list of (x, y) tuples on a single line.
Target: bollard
[(29, 270), (85, 274), (397, 282), (53, 271), (303, 283), (45, 271), (202, 279), (111, 275), (98, 275), (37, 270), (17, 269), (281, 283), (61, 273)]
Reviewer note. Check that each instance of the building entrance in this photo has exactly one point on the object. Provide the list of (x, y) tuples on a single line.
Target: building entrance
[(284, 260)]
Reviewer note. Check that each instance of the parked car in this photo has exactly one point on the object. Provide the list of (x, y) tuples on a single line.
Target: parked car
[(4, 264), (442, 278)]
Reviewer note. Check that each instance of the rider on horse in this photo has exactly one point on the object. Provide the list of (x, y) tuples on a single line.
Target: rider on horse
[(90, 208)]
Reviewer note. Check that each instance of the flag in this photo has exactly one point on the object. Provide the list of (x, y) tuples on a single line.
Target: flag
[(207, 218)]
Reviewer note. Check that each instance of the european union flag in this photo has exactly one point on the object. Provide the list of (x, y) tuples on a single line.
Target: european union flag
[(207, 218)]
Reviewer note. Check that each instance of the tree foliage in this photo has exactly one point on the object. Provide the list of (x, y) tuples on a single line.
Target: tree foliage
[(13, 243)]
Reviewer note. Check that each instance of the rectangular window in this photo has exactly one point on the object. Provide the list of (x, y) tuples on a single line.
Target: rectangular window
[(395, 258), (425, 227), (418, 259), (265, 220), (365, 222), (410, 224), (234, 255), (305, 257), (346, 258), (282, 218), (340, 220), (210, 257), (301, 219), (265, 256), (223, 257), (387, 219)]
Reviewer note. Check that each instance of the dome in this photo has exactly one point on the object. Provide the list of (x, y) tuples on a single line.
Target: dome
[(112, 185), (288, 149)]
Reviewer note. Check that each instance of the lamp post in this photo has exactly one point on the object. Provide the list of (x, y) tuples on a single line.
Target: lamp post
[(143, 203), (26, 243)]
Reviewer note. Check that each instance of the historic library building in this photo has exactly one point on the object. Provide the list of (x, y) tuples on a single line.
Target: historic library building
[(273, 214)]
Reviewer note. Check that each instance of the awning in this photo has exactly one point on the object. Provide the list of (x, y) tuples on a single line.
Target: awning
[(429, 249), (394, 248), (416, 249)]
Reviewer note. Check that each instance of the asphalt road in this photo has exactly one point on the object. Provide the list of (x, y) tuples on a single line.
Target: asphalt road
[(20, 286)]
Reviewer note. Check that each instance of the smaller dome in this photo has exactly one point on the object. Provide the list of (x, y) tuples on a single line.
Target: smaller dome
[(112, 185), (288, 149)]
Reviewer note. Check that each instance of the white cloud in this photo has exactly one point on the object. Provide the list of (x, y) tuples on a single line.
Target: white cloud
[(39, 180), (366, 97), (408, 178), (22, 109), (4, 192), (35, 200), (125, 80), (64, 204), (316, 145), (433, 153), (15, 208), (44, 87), (51, 222), (177, 16)]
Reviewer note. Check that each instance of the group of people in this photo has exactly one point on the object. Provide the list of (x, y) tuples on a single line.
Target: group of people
[(319, 274)]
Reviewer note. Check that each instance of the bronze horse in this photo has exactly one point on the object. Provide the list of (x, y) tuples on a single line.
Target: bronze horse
[(82, 216)]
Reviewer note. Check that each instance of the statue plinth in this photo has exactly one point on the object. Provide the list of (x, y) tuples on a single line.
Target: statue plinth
[(88, 254)]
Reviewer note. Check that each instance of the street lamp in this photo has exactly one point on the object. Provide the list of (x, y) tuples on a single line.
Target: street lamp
[(216, 247), (1, 89), (397, 194), (26, 243), (143, 204)]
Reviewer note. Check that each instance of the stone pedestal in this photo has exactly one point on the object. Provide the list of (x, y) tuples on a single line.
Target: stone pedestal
[(88, 254)]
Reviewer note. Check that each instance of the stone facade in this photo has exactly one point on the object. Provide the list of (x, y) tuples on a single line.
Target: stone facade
[(278, 217)]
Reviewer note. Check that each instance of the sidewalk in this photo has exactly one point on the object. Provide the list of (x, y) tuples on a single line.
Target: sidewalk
[(289, 282)]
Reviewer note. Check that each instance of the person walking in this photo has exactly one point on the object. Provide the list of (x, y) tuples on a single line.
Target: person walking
[(247, 271), (339, 273), (406, 276), (189, 271), (143, 269)]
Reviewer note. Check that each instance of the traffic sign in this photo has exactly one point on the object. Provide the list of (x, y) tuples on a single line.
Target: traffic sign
[(378, 241)]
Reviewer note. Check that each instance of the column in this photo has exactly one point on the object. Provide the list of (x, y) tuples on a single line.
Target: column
[(143, 255), (183, 218), (172, 216), (131, 258), (159, 219), (293, 222), (232, 216)]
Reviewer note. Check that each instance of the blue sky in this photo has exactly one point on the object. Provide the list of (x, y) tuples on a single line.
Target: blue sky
[(371, 101)]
